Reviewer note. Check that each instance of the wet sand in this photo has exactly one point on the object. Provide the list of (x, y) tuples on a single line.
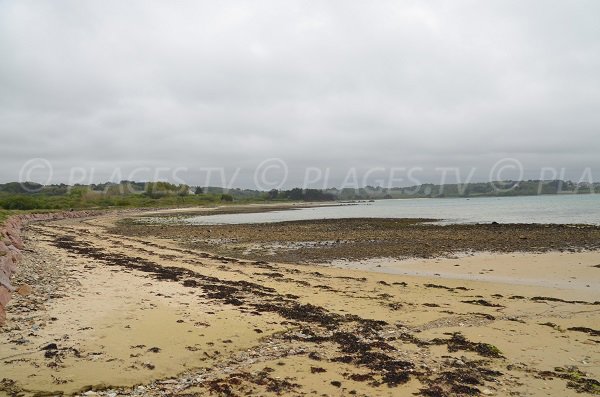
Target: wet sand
[(569, 271), (148, 315)]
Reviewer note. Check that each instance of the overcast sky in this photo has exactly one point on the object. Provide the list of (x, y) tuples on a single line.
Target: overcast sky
[(115, 85)]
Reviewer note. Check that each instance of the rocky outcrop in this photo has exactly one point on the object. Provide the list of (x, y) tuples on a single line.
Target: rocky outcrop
[(11, 245)]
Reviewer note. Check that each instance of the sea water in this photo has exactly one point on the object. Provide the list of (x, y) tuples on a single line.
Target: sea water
[(574, 209)]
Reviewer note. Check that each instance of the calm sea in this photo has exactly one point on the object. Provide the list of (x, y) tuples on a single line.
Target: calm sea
[(583, 208)]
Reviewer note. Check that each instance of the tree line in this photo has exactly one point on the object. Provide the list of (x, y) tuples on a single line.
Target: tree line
[(31, 196)]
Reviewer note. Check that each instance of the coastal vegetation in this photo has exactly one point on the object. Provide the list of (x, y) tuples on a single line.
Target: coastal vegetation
[(33, 196), (3, 215)]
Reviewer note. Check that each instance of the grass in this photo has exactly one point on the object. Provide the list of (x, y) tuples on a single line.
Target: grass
[(12, 204), (4, 214), (97, 200)]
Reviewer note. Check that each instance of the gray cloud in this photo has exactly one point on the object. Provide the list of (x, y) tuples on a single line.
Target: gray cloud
[(319, 84)]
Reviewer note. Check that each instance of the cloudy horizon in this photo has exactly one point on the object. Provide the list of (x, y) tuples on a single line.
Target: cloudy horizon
[(102, 89)]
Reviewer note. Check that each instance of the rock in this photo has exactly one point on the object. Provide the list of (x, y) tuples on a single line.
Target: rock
[(11, 245), (149, 365), (4, 296), (5, 279), (24, 290), (50, 353), (302, 336), (7, 264)]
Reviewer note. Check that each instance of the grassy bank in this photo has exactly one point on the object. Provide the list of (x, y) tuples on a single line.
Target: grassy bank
[(4, 214), (28, 196), (31, 196), (87, 201)]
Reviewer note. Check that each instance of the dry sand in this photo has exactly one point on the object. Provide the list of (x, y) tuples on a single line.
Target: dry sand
[(144, 316)]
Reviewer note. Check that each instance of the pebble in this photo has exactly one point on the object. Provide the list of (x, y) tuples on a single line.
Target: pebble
[(25, 290)]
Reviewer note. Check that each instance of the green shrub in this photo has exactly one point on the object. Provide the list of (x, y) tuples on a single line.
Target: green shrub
[(227, 197)]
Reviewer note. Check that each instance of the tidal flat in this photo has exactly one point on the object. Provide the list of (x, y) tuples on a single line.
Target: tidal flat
[(121, 307)]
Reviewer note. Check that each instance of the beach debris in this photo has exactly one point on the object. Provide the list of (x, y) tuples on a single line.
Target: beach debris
[(481, 302), (154, 350), (577, 379), (589, 331), (148, 365), (458, 342)]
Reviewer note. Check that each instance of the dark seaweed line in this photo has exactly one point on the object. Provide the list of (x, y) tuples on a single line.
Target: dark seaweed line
[(393, 372)]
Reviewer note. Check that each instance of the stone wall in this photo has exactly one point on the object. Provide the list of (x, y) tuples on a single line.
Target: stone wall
[(11, 245)]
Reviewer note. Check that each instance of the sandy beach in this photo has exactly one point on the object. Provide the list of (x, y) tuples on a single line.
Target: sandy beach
[(304, 199), (116, 311)]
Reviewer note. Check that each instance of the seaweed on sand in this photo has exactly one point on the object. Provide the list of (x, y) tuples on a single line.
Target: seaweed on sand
[(459, 342)]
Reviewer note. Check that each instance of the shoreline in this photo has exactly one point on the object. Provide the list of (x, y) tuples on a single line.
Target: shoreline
[(266, 327)]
